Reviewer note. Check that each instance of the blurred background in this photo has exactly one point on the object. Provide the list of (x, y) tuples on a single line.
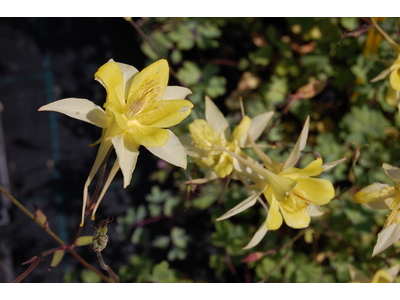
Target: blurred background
[(161, 232)]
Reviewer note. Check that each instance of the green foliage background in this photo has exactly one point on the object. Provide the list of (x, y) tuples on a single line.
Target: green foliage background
[(264, 61)]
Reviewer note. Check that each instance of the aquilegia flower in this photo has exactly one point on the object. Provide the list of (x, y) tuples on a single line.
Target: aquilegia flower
[(292, 193), (138, 107), (383, 196), (208, 136), (394, 69)]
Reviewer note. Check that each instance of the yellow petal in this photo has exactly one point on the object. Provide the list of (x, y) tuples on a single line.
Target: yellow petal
[(175, 92), (295, 212), (374, 193), (242, 128), (395, 78), (274, 218), (258, 236), (149, 84), (382, 276), (127, 154), (257, 127), (163, 114), (313, 169), (172, 151), (315, 190), (217, 119), (80, 109), (294, 156), (148, 136), (224, 167), (110, 76)]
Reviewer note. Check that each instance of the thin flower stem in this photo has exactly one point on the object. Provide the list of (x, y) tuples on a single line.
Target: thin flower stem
[(106, 267), (30, 215), (54, 236), (26, 273), (288, 245), (231, 267)]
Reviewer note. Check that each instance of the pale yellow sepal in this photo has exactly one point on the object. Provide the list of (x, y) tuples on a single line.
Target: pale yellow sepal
[(374, 193), (257, 127), (245, 204), (172, 151), (294, 156), (356, 275), (387, 237), (217, 120), (80, 109), (258, 236)]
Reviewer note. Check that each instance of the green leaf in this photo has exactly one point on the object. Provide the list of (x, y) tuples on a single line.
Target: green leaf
[(183, 37), (155, 209), (137, 234), (216, 86), (179, 237), (277, 90), (161, 242), (204, 201), (57, 257), (88, 276), (170, 204), (162, 273), (190, 73), (176, 253)]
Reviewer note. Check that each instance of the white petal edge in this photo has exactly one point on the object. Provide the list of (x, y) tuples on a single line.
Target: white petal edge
[(172, 151), (386, 238), (80, 109), (245, 204), (258, 236), (127, 155), (294, 156), (176, 93), (393, 271), (257, 127), (217, 120)]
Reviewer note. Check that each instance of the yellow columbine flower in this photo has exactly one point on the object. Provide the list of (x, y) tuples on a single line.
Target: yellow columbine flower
[(394, 69), (381, 276), (209, 136), (292, 193), (138, 107), (383, 196)]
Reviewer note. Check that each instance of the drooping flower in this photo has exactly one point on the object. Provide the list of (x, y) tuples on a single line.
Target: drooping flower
[(138, 107), (208, 136), (381, 276), (394, 69), (383, 196), (293, 194)]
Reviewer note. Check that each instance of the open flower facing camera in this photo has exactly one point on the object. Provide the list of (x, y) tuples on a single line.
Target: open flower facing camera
[(139, 106)]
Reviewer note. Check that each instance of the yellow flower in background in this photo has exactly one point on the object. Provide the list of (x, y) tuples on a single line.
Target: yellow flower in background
[(381, 276), (383, 196), (138, 107), (293, 194), (394, 69), (208, 136)]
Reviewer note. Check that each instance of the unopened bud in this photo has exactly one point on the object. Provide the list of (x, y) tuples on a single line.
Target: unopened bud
[(100, 238)]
